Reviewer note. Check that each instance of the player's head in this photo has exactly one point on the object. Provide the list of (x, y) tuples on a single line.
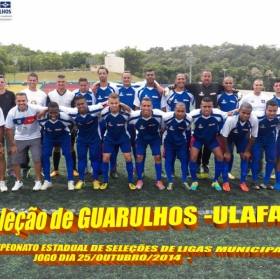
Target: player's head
[(32, 81), (81, 104), (146, 107), (150, 76), (271, 109), (228, 84), (258, 86), (114, 102), (180, 81), (2, 82), (180, 110), (245, 111), (126, 78), (83, 84), (61, 82), (53, 111), (276, 86), (206, 77), (21, 101), (102, 74), (206, 106)]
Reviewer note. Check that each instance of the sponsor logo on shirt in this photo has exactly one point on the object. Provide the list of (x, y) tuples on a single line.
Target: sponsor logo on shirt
[(201, 94), (211, 124), (213, 93), (200, 126), (232, 101), (110, 124), (235, 131), (119, 124), (141, 127), (152, 124), (171, 128), (224, 102), (262, 126)]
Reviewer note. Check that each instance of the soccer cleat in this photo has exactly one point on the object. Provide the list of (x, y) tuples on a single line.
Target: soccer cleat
[(75, 174), (80, 184), (71, 186), (256, 185), (226, 187), (46, 185), (244, 187), (186, 186), (230, 176), (261, 175), (96, 185), (170, 187), (26, 172), (139, 185), (216, 186), (277, 187), (17, 186), (54, 173), (114, 175), (104, 186), (131, 186), (37, 186), (160, 185), (163, 175), (266, 186), (194, 186), (3, 186), (273, 176)]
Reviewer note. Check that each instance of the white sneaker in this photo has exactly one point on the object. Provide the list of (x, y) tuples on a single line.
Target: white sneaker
[(163, 175), (38, 186), (17, 186), (3, 186), (71, 186), (230, 176), (46, 185)]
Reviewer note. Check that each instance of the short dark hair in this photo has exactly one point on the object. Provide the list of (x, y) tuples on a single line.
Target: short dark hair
[(207, 99), (271, 103), (61, 76), (21, 94), (2, 77), (277, 80), (149, 70), (33, 75), (246, 105), (53, 105), (83, 80), (146, 99), (102, 67), (79, 97), (114, 95)]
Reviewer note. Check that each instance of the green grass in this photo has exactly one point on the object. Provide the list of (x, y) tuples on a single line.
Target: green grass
[(71, 76), (117, 195)]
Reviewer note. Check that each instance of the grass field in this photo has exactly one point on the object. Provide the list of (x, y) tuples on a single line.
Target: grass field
[(117, 195), (70, 76)]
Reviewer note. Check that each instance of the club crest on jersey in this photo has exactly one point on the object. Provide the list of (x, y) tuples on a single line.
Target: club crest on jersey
[(142, 127), (262, 126), (99, 97), (19, 121), (200, 126), (121, 94), (224, 102), (235, 131), (171, 128), (201, 94), (109, 123)]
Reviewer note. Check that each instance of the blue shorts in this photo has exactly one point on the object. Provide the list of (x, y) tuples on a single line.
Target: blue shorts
[(109, 148), (241, 145), (141, 148), (269, 149), (93, 148), (182, 153), (196, 144)]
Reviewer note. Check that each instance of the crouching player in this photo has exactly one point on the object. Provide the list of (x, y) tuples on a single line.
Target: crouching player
[(234, 131), (266, 141), (56, 129), (175, 142), (207, 122), (116, 136)]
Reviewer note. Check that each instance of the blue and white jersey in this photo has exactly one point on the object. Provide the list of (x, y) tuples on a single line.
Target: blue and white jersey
[(127, 95), (276, 99), (56, 130), (158, 100), (27, 126), (116, 125), (88, 124), (206, 128), (103, 93), (236, 130), (89, 96), (267, 128), (228, 101), (147, 129), (175, 130), (183, 96)]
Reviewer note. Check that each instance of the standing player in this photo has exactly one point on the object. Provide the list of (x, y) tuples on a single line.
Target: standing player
[(116, 135), (102, 90), (84, 91), (266, 141), (7, 102), (3, 186), (37, 97), (63, 97), (207, 122), (175, 142), (235, 130), (56, 132), (27, 135), (147, 122)]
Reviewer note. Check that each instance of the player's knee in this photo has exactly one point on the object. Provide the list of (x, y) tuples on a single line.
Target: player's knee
[(157, 159), (139, 158)]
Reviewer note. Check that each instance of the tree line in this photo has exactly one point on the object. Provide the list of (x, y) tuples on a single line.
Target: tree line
[(243, 62)]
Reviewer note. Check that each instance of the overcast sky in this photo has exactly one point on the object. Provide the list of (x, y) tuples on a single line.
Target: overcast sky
[(109, 25)]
